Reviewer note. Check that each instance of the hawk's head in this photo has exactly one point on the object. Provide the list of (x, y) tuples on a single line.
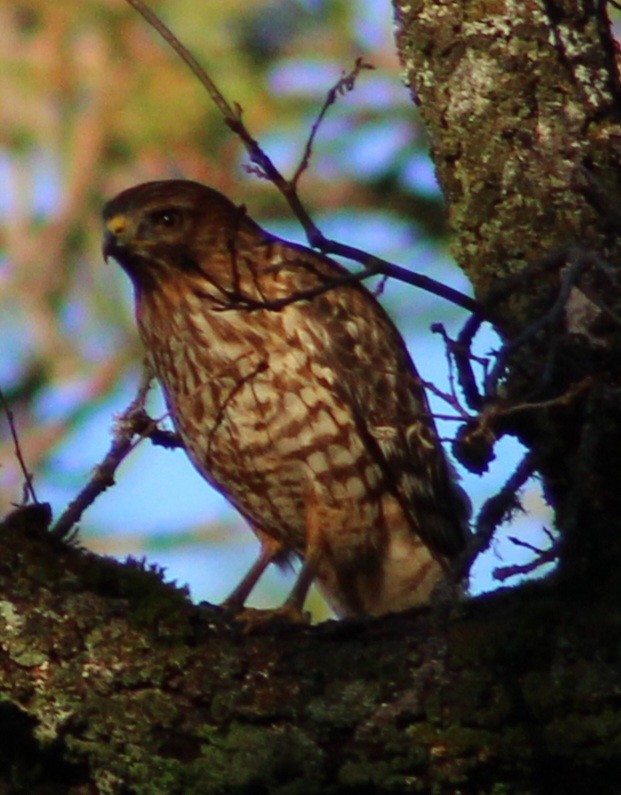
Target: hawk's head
[(172, 224)]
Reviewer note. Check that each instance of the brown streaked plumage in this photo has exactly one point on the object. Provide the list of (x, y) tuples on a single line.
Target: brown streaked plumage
[(310, 418)]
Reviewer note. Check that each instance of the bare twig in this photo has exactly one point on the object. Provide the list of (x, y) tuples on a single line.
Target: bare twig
[(438, 328), (519, 542), (146, 428), (577, 263), (29, 490), (561, 400), (214, 92), (543, 556), (451, 400), (461, 347), (266, 168), (235, 301), (377, 265), (476, 439), (496, 415), (461, 351), (103, 475), (494, 512), (346, 83), (374, 266)]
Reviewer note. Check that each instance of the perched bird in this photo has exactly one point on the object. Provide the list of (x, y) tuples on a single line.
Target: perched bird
[(294, 395)]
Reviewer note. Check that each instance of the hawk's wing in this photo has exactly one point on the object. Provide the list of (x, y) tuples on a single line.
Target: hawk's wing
[(376, 377)]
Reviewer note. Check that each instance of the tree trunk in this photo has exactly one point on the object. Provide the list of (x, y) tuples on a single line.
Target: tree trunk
[(112, 682), (522, 103)]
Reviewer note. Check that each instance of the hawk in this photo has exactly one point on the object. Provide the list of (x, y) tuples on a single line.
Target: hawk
[(294, 396)]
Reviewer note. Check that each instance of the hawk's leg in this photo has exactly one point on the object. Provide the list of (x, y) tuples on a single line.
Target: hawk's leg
[(315, 548), (297, 595), (293, 608), (271, 549)]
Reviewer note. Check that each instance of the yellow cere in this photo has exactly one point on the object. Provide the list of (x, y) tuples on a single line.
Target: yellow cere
[(117, 224)]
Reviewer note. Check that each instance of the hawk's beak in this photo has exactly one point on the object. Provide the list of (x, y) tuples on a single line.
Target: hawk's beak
[(113, 236)]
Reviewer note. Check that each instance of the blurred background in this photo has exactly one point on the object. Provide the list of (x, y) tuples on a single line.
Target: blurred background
[(91, 102)]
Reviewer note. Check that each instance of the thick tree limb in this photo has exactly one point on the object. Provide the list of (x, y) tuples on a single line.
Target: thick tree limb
[(114, 682)]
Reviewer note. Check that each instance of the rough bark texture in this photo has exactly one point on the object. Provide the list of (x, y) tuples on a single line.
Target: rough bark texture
[(519, 98), (522, 103), (112, 682)]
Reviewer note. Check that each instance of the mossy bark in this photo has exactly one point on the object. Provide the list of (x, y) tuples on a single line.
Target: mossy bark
[(522, 102), (520, 99), (113, 682)]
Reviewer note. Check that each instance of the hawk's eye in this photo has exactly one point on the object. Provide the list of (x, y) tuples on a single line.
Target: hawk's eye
[(167, 219)]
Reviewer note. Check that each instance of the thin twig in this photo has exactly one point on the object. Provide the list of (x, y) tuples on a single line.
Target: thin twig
[(266, 168), (577, 262), (519, 542), (377, 265), (503, 290), (541, 405), (460, 353), (543, 556), (236, 301), (494, 512), (103, 474), (346, 83), (461, 347), (29, 490), (146, 428), (495, 415), (451, 399), (461, 350), (214, 92)]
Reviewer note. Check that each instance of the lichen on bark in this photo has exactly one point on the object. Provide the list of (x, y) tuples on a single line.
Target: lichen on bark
[(518, 98), (133, 689)]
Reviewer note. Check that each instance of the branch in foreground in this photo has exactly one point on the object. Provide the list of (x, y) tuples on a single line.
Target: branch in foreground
[(506, 687)]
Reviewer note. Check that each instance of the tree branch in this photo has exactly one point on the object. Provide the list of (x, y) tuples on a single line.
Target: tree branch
[(29, 490), (114, 682), (288, 188), (125, 428)]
